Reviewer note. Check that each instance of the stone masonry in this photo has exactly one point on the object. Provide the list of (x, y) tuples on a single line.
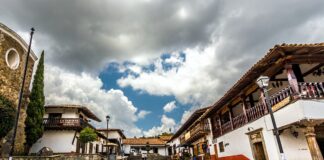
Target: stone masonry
[(10, 82)]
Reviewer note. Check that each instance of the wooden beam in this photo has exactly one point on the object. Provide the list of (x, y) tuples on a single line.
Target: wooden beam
[(302, 59), (313, 69)]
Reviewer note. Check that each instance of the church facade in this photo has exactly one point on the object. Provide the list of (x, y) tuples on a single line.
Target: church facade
[(13, 52)]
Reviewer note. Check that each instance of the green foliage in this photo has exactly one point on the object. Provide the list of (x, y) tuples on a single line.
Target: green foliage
[(7, 116), (87, 135), (35, 111)]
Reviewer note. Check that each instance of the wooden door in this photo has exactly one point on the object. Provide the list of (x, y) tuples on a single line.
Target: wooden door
[(216, 151), (90, 148), (78, 146), (259, 151)]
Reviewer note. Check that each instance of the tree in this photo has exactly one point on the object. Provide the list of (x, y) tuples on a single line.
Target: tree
[(34, 122), (87, 135), (7, 116)]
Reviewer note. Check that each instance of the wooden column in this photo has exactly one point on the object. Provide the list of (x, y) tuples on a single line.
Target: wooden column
[(292, 79), (220, 126), (312, 143), (230, 116), (244, 108), (310, 135)]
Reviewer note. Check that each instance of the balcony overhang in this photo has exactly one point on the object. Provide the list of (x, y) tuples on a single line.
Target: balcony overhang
[(195, 137)]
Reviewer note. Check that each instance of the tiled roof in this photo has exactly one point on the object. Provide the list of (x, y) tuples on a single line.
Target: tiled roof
[(81, 108), (194, 116), (165, 138), (144, 141), (275, 55)]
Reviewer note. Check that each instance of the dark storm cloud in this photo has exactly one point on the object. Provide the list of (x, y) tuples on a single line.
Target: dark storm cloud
[(84, 35), (240, 36)]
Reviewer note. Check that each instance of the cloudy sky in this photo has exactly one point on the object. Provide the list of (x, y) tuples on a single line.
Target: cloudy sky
[(150, 63)]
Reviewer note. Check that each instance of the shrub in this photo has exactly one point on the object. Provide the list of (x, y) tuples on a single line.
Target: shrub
[(7, 116)]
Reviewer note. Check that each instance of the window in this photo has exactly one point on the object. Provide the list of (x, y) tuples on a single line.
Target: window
[(221, 146), (55, 115), (155, 150), (12, 58)]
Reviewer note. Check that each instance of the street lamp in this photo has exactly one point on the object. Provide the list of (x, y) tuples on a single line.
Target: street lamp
[(21, 96), (107, 118), (263, 83)]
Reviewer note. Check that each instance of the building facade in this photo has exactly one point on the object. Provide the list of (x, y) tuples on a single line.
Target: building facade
[(115, 138), (193, 137), (13, 51), (62, 124), (140, 146), (241, 127)]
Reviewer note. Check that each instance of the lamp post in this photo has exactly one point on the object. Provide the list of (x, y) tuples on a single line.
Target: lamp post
[(107, 118), (263, 83), (21, 96)]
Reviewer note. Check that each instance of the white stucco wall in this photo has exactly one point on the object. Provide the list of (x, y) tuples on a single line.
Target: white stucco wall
[(238, 142), (66, 113), (126, 149), (162, 150), (175, 142), (58, 141), (114, 134), (300, 110)]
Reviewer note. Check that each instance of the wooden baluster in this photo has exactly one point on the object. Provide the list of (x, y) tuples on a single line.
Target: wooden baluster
[(318, 89), (321, 87), (314, 88), (310, 92)]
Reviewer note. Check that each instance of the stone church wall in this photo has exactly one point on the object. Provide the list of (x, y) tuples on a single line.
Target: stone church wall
[(13, 52)]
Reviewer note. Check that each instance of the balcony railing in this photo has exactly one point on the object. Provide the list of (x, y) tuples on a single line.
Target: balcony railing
[(65, 123), (195, 132), (307, 90)]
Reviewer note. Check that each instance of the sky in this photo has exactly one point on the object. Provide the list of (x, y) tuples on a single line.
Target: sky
[(150, 63)]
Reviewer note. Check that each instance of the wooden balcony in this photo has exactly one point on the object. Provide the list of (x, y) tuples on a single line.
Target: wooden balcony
[(65, 123), (195, 132), (306, 90)]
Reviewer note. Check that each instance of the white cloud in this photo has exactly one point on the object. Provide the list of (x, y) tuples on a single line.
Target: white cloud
[(62, 87), (169, 106), (167, 123), (185, 116), (143, 113), (190, 81)]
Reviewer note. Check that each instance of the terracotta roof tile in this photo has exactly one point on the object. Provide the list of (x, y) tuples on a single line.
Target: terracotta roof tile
[(143, 141)]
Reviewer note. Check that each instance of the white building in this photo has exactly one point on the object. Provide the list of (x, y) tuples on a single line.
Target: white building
[(241, 127), (137, 146), (62, 125), (115, 137)]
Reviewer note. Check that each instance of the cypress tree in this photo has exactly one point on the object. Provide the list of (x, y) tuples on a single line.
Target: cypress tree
[(34, 128)]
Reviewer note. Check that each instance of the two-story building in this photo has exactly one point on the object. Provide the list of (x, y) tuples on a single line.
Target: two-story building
[(62, 125), (194, 136), (241, 124), (240, 121), (115, 138)]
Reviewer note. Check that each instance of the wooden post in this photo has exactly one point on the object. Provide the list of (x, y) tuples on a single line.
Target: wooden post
[(292, 80), (244, 109), (312, 143), (230, 116), (220, 126)]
